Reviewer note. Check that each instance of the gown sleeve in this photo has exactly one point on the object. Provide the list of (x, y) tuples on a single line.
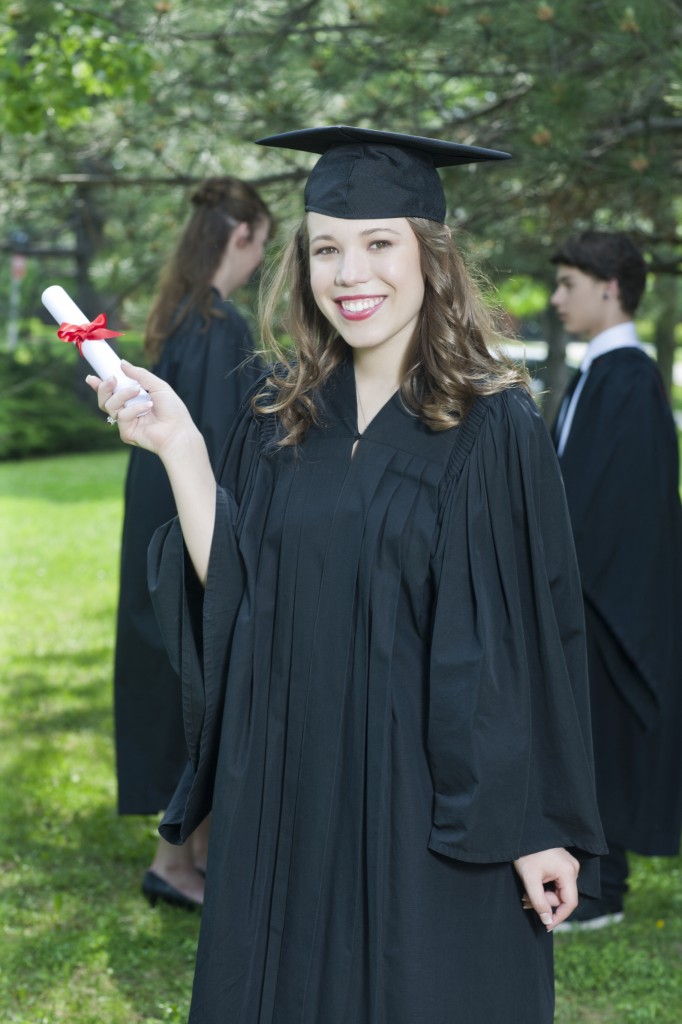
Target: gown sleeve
[(509, 737), (198, 625)]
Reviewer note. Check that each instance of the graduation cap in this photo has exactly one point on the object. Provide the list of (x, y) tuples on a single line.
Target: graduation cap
[(363, 173)]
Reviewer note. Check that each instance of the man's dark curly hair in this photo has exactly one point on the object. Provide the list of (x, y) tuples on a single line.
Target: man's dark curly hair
[(607, 255)]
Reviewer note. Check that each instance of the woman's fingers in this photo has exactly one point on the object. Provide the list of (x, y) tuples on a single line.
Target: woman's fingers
[(105, 392), (566, 887), (148, 380), (109, 399), (539, 901), (121, 398), (149, 413), (103, 388), (557, 869), (552, 899)]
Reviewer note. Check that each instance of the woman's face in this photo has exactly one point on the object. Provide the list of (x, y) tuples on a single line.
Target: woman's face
[(367, 280), (252, 250), (242, 256)]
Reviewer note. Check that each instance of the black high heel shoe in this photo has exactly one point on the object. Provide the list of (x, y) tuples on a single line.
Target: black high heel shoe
[(155, 888)]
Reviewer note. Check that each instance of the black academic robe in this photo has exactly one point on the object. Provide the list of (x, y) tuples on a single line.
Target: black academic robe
[(204, 365), (385, 701), (620, 467)]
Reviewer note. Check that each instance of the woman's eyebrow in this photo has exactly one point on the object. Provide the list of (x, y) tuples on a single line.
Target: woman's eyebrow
[(367, 231)]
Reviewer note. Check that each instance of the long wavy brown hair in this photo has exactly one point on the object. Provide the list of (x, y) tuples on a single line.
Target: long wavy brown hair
[(219, 205), (454, 355)]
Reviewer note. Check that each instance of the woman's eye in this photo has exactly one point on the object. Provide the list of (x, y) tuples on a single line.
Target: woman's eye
[(324, 250), (380, 243)]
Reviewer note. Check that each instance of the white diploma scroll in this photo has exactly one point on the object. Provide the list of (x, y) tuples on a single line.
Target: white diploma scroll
[(98, 353)]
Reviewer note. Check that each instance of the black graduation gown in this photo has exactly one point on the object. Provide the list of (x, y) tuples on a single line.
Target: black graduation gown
[(203, 364), (386, 702), (620, 467)]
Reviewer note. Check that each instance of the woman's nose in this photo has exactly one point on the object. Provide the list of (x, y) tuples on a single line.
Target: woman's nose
[(352, 268)]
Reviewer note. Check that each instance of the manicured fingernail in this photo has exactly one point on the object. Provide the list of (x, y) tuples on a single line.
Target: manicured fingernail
[(546, 918)]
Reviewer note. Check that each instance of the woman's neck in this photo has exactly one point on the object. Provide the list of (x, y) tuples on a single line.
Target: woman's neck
[(376, 381), (374, 369)]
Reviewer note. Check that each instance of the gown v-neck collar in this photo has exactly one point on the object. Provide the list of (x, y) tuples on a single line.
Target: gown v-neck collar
[(346, 396), (394, 426)]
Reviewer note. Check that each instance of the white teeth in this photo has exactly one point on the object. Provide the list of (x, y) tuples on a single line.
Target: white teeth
[(358, 305)]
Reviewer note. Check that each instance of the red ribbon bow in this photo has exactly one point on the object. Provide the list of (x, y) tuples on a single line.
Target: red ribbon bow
[(78, 333)]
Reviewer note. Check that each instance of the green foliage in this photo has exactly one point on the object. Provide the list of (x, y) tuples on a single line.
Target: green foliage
[(45, 406), (114, 107), (523, 296), (56, 63), (78, 944)]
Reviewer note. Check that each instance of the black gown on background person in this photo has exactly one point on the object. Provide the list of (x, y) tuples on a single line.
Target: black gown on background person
[(620, 467), (385, 701), (203, 364)]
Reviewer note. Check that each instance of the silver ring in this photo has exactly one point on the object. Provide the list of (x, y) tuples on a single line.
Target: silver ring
[(111, 420)]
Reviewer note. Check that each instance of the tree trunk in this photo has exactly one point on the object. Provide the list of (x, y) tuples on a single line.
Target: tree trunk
[(666, 293), (88, 226), (556, 374)]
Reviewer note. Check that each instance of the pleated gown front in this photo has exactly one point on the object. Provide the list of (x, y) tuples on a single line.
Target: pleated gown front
[(385, 703)]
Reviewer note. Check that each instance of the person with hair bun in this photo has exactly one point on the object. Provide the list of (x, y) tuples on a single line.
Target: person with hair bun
[(198, 342), (377, 616)]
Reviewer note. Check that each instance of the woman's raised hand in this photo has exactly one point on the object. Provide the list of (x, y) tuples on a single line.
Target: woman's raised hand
[(158, 424)]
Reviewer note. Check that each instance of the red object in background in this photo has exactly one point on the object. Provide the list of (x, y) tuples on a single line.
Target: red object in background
[(18, 266)]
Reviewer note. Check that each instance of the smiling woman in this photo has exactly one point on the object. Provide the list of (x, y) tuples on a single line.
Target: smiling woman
[(379, 631), (453, 351), (366, 280)]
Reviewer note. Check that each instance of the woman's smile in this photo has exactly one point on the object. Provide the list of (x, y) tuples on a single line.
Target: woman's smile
[(359, 307)]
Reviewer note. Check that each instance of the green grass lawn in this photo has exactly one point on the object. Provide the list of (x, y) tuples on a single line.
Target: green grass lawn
[(78, 944)]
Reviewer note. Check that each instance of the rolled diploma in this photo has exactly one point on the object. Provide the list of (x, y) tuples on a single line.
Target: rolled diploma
[(98, 353)]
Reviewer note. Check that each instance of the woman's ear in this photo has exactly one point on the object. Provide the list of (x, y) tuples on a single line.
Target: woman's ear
[(241, 235)]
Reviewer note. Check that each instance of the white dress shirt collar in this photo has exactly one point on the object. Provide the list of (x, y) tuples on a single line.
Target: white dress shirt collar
[(620, 336)]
